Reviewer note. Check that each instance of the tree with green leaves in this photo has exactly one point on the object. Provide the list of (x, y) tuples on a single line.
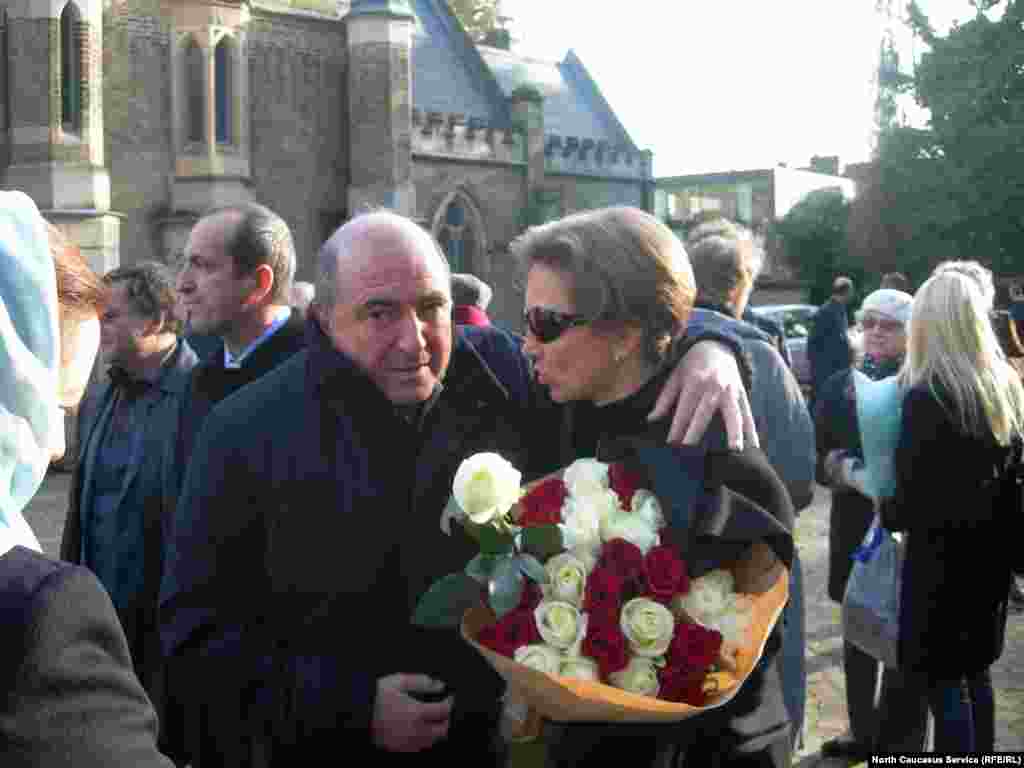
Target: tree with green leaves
[(956, 188), (481, 18), (813, 236)]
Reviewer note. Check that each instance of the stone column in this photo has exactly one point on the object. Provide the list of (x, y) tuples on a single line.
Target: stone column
[(527, 106), (58, 159), (380, 106)]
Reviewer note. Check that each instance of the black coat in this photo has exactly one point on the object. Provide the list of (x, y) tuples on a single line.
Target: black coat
[(756, 718), (956, 573), (828, 346), (312, 508), (70, 697), (142, 495), (835, 426)]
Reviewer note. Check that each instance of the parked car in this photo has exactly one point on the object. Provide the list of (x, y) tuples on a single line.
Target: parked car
[(796, 321)]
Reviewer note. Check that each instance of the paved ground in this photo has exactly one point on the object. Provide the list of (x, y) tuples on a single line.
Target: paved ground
[(826, 706)]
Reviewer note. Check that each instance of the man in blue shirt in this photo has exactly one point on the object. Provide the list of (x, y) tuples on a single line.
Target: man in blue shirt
[(113, 524)]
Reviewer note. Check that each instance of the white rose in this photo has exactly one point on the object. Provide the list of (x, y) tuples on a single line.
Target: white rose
[(633, 529), (585, 476), (580, 667), (567, 578), (559, 623), (542, 658), (486, 486), (646, 506), (708, 597), (581, 530), (638, 676), (647, 626)]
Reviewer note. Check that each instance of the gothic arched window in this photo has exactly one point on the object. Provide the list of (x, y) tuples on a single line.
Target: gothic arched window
[(71, 68), (194, 92), (222, 90), (456, 236)]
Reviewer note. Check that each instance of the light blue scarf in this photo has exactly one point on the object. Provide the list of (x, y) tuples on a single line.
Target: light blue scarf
[(29, 363), (879, 412)]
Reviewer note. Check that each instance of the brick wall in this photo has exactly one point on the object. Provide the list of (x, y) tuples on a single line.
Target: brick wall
[(137, 121), (298, 101)]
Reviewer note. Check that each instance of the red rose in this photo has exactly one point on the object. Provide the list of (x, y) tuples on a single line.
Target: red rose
[(543, 504), (665, 574), (682, 686), (606, 645), (531, 596), (693, 647), (602, 596), (625, 560), (513, 630), (625, 483)]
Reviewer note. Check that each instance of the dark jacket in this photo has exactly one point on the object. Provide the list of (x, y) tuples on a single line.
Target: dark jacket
[(773, 330), (756, 718), (302, 525), (780, 412), (142, 494), (828, 346), (210, 383), (70, 696), (835, 422), (960, 538)]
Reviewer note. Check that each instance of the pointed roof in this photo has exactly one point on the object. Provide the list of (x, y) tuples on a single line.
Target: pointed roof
[(449, 74), (573, 104)]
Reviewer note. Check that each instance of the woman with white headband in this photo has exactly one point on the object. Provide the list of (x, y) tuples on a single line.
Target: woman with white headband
[(885, 317)]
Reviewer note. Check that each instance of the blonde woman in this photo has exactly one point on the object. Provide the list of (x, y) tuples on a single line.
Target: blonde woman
[(962, 413)]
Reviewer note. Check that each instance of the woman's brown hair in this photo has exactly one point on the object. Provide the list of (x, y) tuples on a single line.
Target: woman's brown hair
[(625, 266), (81, 293)]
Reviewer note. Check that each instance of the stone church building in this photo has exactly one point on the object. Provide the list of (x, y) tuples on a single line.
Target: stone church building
[(125, 120)]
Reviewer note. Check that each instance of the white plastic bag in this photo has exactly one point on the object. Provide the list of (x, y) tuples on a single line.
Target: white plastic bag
[(871, 603)]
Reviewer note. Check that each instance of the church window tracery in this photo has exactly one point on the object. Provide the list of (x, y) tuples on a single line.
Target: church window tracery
[(195, 89), (71, 68), (223, 91), (458, 227)]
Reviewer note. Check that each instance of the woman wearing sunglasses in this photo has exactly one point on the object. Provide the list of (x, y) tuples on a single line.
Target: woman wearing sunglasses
[(606, 293)]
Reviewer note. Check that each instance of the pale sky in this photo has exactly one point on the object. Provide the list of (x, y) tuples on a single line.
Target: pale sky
[(717, 85)]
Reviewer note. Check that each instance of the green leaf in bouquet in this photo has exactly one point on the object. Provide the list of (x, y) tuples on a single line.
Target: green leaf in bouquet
[(531, 568), (542, 541), (491, 540), (447, 599), (452, 511), (481, 567), (505, 589)]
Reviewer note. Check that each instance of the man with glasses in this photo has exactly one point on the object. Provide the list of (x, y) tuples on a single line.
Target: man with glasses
[(114, 524)]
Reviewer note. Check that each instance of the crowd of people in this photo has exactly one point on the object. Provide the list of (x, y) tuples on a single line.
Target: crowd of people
[(261, 466)]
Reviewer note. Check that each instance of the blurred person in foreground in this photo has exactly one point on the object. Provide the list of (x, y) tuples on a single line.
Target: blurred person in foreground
[(885, 318), (958, 499), (70, 696)]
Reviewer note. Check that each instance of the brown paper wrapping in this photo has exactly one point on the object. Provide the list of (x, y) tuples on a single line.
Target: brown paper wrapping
[(760, 575)]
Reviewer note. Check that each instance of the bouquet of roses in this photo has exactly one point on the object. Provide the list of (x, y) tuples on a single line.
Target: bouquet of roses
[(574, 588)]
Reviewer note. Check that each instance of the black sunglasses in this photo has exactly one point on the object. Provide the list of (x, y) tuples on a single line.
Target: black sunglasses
[(546, 325)]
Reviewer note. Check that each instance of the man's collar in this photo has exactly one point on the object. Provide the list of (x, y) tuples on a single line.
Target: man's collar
[(280, 318)]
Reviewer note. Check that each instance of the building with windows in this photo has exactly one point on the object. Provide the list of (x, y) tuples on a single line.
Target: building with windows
[(126, 120)]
